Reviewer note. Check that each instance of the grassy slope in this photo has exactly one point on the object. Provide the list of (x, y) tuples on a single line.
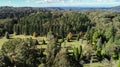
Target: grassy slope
[(2, 40)]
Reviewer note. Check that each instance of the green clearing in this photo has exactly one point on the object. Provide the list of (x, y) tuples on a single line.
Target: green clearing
[(93, 65), (12, 36), (2, 40), (73, 43)]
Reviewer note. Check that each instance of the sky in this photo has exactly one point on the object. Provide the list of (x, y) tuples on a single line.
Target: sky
[(60, 3)]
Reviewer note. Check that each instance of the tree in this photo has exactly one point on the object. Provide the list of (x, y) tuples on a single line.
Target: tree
[(95, 36), (1, 32), (99, 48), (22, 53), (110, 41), (7, 35), (34, 34), (16, 29), (43, 42), (99, 43), (52, 49), (26, 56), (77, 52), (69, 36), (110, 32), (78, 37), (5, 61), (62, 59), (112, 51)]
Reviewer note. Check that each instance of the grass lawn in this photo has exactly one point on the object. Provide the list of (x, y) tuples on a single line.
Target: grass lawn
[(73, 43), (93, 65), (12, 36)]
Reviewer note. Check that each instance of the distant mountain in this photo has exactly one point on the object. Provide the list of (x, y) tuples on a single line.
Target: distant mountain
[(77, 8), (117, 8), (85, 8)]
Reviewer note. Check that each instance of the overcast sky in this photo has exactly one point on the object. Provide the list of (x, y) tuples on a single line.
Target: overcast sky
[(60, 3)]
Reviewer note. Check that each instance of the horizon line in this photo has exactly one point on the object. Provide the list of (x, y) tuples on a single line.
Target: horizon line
[(65, 6)]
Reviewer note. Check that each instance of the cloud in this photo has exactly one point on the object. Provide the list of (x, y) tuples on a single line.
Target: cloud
[(28, 1), (48, 1), (9, 1), (56, 1), (69, 1), (107, 0)]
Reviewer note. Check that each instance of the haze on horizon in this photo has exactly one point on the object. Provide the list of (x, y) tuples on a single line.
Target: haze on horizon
[(60, 3)]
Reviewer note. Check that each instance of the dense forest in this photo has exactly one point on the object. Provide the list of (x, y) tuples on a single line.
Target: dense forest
[(96, 31)]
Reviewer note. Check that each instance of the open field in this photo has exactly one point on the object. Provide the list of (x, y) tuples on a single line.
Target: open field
[(12, 36), (73, 43), (93, 65)]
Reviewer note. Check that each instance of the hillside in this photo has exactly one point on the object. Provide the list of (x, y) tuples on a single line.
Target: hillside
[(57, 37), (117, 8)]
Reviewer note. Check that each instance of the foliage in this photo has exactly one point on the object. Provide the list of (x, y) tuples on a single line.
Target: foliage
[(112, 50), (52, 49), (118, 64), (99, 28), (95, 36), (22, 52), (62, 59), (87, 53), (77, 52)]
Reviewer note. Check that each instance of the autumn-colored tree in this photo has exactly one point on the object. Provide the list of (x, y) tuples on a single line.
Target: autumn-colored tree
[(81, 33), (34, 34), (69, 36)]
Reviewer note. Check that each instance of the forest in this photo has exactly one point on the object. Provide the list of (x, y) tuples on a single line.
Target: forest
[(40, 37)]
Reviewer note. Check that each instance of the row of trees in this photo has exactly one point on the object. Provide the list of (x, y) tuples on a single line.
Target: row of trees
[(43, 22)]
